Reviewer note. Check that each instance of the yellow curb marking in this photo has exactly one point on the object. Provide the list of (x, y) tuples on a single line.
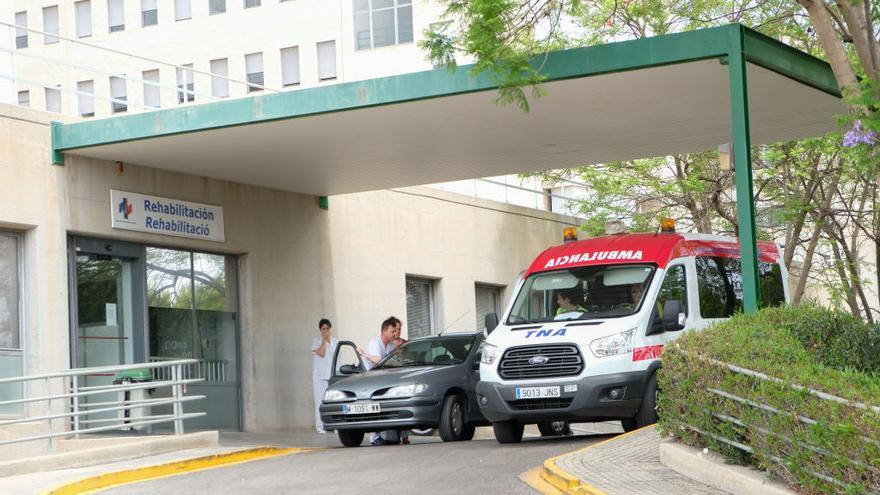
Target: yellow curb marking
[(569, 483), (533, 478), (111, 480)]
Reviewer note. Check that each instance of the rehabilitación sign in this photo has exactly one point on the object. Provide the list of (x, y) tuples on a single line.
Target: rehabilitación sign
[(156, 215)]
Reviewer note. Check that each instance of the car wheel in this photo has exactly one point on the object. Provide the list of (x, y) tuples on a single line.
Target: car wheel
[(452, 419), (423, 432), (351, 438), (647, 413), (468, 432), (508, 431), (554, 428)]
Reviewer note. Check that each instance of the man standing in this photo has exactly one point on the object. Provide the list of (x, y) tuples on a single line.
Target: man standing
[(378, 348), (323, 349)]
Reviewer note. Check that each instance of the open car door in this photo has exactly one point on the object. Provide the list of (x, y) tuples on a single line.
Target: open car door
[(346, 361)]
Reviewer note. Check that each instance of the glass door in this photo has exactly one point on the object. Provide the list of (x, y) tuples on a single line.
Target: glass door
[(107, 320)]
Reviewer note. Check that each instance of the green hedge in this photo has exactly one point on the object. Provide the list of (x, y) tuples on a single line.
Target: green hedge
[(810, 346)]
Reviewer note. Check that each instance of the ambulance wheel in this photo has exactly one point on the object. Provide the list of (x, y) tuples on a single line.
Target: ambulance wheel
[(468, 432), (452, 419), (554, 428), (508, 431), (351, 438), (647, 413)]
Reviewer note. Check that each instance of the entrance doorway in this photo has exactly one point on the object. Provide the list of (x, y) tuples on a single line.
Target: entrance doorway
[(138, 304)]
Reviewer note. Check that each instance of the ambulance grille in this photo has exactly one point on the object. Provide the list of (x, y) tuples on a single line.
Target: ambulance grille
[(562, 360)]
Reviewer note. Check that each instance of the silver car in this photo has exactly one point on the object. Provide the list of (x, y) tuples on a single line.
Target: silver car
[(425, 383)]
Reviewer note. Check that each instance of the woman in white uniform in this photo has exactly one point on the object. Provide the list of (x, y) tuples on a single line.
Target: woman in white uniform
[(323, 349)]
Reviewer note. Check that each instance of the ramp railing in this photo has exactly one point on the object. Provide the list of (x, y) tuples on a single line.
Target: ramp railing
[(70, 403)]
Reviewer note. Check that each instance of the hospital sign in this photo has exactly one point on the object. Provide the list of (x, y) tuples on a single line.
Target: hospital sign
[(157, 215)]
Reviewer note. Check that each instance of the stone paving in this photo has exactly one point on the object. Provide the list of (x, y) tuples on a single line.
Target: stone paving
[(630, 465)]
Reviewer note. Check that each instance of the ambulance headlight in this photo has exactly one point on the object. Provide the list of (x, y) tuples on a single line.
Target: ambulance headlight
[(490, 352), (612, 345), (334, 396), (407, 390)]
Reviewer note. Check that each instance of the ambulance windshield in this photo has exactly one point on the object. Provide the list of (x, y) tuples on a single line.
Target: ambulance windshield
[(581, 293)]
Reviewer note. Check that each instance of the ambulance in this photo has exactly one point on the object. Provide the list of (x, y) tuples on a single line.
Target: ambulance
[(582, 337)]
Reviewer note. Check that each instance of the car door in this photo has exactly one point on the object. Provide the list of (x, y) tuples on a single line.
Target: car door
[(473, 371), (346, 361)]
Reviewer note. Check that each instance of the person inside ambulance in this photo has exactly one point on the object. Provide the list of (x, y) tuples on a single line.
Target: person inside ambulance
[(570, 303)]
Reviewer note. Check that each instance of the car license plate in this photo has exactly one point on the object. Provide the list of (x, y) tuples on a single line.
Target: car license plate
[(536, 392), (367, 408)]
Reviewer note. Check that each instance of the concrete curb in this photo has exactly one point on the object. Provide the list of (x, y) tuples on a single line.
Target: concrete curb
[(114, 479), (110, 453), (569, 483), (710, 469)]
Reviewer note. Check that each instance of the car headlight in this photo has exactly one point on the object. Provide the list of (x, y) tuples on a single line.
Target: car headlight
[(334, 396), (407, 390), (612, 345), (490, 352)]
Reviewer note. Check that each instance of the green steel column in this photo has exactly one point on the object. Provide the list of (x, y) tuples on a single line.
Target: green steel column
[(742, 155)]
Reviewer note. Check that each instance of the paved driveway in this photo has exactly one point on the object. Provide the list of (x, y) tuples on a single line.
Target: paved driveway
[(424, 467)]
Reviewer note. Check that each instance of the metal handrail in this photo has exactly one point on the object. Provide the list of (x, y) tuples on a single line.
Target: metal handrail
[(96, 370), (76, 413)]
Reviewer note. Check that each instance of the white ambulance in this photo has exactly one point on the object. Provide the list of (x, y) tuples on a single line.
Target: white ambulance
[(582, 337)]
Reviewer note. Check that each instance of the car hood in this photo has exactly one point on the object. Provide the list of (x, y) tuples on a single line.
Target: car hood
[(366, 384)]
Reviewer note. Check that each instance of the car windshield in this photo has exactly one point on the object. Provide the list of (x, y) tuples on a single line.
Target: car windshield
[(581, 293), (429, 352)]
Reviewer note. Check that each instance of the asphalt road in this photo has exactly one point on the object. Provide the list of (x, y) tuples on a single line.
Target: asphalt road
[(426, 466)]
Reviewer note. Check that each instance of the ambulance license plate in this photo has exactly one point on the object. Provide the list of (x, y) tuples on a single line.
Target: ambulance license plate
[(536, 392), (367, 408)]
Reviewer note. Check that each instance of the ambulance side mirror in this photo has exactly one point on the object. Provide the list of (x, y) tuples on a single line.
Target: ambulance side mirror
[(491, 322), (673, 317)]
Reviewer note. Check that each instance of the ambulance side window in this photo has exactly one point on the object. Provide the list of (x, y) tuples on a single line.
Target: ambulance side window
[(674, 287), (720, 286)]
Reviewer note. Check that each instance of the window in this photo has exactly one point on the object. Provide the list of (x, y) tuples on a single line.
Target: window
[(11, 321), (53, 99), (182, 10), (83, 11), (185, 85), (220, 85), (487, 301), (419, 307), (290, 66), (326, 60), (581, 293), (24, 98), (253, 63), (382, 23), (216, 7), (192, 313), (251, 3), (720, 285), (149, 13), (117, 92), (442, 351), (673, 288), (115, 15), (152, 97), (50, 24), (21, 35), (86, 98)]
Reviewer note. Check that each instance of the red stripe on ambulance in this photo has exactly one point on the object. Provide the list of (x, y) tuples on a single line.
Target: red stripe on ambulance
[(649, 352)]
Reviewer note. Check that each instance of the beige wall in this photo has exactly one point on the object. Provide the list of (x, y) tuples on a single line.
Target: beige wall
[(299, 263)]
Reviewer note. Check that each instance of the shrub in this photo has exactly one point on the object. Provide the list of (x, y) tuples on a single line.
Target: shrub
[(819, 446)]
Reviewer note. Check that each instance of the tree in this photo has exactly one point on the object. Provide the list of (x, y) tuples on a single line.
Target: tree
[(803, 190)]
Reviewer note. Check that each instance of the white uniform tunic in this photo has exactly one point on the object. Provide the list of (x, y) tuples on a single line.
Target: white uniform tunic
[(321, 371)]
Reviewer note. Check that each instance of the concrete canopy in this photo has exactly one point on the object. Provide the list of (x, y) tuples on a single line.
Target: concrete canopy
[(627, 100)]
